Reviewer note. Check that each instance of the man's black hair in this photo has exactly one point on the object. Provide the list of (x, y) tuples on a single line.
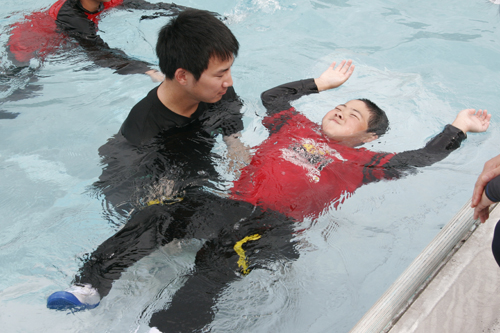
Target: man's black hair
[(189, 40), (378, 122)]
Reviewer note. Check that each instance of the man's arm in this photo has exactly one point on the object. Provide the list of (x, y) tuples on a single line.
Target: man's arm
[(490, 195), (238, 153), (491, 170)]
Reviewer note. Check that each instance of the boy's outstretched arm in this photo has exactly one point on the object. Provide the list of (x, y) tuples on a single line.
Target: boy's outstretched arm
[(278, 98), (443, 144)]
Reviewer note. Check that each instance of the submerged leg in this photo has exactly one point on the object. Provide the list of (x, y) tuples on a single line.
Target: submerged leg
[(191, 307), (144, 233), (262, 237)]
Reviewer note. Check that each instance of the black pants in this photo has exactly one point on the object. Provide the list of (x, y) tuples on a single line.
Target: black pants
[(495, 245), (238, 236)]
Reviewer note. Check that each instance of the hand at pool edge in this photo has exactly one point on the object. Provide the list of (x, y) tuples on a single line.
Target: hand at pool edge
[(491, 170)]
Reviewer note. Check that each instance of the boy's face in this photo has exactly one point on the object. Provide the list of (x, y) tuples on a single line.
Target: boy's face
[(213, 82), (347, 124)]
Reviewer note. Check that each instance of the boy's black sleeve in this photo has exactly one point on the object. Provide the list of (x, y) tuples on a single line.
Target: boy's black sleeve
[(434, 151), (278, 98)]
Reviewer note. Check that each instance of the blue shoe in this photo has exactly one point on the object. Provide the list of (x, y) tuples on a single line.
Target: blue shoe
[(76, 298)]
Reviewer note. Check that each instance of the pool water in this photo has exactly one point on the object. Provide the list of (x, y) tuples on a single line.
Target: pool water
[(420, 61)]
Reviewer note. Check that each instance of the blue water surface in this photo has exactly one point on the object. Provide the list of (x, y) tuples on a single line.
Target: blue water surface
[(421, 61)]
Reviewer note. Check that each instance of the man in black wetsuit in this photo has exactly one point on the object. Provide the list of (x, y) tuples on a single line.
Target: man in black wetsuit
[(165, 143), (246, 230), (163, 148)]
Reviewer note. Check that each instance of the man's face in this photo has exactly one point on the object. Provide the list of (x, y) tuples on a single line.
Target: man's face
[(213, 82), (347, 123)]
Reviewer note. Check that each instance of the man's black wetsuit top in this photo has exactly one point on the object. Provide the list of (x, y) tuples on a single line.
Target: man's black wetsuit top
[(157, 148), (150, 117)]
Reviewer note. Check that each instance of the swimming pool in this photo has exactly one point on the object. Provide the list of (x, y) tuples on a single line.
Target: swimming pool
[(421, 66)]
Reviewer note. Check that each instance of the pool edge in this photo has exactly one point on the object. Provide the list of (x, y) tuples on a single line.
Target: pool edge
[(391, 306)]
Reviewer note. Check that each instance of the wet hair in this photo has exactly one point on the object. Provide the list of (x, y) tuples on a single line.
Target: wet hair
[(189, 40), (378, 122)]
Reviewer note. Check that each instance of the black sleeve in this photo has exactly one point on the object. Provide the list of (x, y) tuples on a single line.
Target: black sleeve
[(173, 8), (77, 26), (231, 105), (223, 117), (104, 56), (278, 98), (492, 189), (434, 151)]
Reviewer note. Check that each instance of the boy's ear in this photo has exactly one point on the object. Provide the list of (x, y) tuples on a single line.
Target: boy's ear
[(181, 75), (370, 137)]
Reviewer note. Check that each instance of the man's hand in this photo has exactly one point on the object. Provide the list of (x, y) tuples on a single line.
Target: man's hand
[(482, 210), (155, 75), (469, 120), (238, 153), (335, 77), (491, 169)]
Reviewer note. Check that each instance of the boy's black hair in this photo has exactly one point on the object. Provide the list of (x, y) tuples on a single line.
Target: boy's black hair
[(189, 40), (378, 123)]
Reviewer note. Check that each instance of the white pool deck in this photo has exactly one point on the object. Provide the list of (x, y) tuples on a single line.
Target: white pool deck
[(464, 297)]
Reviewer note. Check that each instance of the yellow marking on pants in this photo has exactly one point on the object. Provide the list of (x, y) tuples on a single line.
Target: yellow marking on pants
[(165, 201), (242, 262)]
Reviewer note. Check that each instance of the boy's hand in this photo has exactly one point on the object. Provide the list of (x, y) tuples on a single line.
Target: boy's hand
[(335, 77), (491, 170), (469, 120)]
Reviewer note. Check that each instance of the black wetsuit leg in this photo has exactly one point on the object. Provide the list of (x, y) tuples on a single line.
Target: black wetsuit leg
[(147, 230), (199, 215), (259, 236)]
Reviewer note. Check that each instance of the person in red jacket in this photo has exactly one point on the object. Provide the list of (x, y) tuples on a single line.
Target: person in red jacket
[(299, 171), (45, 32), (41, 33)]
